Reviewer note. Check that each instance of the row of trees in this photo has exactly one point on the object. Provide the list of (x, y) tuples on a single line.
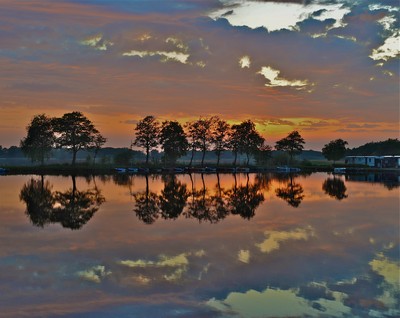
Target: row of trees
[(73, 131), (209, 134)]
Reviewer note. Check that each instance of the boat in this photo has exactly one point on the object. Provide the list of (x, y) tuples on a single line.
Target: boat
[(133, 170), (3, 170), (339, 170), (287, 169), (120, 170)]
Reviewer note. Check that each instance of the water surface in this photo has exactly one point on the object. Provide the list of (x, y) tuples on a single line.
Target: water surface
[(199, 246)]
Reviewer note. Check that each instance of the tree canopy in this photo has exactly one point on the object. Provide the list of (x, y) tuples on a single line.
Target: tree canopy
[(335, 150), (146, 134), (40, 139), (75, 132), (292, 144), (173, 141)]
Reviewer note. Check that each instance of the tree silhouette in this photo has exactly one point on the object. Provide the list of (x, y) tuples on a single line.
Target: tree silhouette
[(335, 150), (199, 133), (219, 137), (75, 132), (292, 193), (146, 134), (173, 197), (75, 208), (147, 204), (292, 144), (335, 187), (244, 138), (40, 139), (39, 200), (173, 141)]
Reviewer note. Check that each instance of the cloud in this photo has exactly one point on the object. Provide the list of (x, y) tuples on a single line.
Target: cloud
[(97, 42), (244, 256), (278, 303), (94, 274), (165, 56), (272, 75), (244, 61), (275, 16), (276, 238)]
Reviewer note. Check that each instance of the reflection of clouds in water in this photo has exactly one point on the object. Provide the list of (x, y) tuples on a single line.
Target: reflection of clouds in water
[(244, 256), (390, 271), (275, 238), (179, 265), (278, 303)]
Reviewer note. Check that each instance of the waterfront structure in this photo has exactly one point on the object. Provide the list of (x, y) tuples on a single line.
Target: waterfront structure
[(374, 161)]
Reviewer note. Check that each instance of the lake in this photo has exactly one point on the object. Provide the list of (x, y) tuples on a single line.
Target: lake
[(256, 245)]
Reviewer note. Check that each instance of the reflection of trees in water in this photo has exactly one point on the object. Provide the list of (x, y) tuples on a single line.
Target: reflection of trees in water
[(199, 203), (244, 199), (72, 208), (39, 200), (292, 193), (146, 204), (335, 187), (173, 197)]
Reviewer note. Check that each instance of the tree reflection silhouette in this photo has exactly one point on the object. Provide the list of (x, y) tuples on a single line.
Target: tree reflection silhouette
[(335, 187), (146, 204), (72, 208), (202, 204), (244, 200), (75, 208), (292, 193), (39, 200), (173, 197)]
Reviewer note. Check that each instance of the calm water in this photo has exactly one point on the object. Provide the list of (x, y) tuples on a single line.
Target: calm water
[(200, 246)]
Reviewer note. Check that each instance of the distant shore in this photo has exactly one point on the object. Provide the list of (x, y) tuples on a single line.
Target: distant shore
[(65, 169)]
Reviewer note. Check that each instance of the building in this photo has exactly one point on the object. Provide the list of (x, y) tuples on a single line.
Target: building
[(374, 161)]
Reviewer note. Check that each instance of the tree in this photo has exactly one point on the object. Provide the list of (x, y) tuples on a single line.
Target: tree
[(244, 138), (292, 144), (263, 154), (199, 132), (39, 140), (146, 134), (75, 132), (173, 141), (219, 137), (335, 150), (99, 141)]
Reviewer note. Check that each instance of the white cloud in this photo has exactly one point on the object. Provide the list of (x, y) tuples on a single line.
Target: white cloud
[(275, 238), (272, 75), (97, 42), (245, 62), (166, 56), (389, 49), (276, 16), (94, 274)]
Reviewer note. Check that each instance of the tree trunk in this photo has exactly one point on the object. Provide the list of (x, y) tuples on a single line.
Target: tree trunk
[(191, 158), (202, 159), (147, 156), (234, 161), (248, 159), (218, 157), (74, 156)]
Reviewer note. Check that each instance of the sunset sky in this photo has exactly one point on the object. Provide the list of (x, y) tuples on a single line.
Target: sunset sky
[(329, 69)]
